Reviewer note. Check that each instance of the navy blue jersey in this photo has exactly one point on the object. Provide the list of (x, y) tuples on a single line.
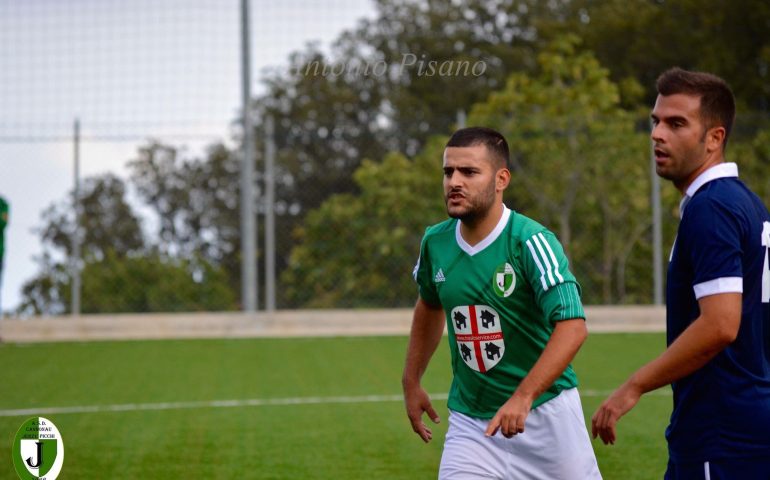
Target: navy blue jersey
[(723, 409)]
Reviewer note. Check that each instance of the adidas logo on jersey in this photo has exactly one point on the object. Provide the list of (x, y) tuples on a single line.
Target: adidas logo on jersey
[(439, 276)]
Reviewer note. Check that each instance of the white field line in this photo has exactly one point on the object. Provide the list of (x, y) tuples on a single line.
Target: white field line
[(253, 402)]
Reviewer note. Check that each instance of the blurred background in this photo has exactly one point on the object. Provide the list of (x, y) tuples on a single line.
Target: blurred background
[(123, 139)]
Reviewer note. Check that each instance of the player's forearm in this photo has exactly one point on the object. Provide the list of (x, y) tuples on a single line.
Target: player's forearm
[(692, 350), (426, 332), (708, 335), (565, 341)]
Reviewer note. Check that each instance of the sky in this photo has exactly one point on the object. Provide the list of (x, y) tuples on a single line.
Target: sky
[(128, 71)]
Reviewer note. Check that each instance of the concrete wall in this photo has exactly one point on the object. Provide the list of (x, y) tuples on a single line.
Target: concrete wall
[(285, 323)]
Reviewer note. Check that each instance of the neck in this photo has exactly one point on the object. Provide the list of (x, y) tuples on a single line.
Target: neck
[(711, 161), (478, 229)]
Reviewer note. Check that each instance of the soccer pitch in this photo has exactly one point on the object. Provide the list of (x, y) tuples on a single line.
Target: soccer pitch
[(296, 408)]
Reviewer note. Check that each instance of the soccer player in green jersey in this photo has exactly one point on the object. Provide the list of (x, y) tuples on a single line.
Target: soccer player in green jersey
[(3, 223), (501, 283)]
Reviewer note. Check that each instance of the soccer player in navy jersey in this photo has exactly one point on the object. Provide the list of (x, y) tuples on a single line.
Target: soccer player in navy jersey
[(717, 296)]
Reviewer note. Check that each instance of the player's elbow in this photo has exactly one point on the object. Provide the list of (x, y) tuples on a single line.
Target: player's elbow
[(722, 332), (577, 330), (727, 332), (582, 331)]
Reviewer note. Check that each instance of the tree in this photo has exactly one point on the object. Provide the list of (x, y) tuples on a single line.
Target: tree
[(120, 271), (146, 283), (576, 157), (639, 39), (151, 283), (359, 250), (196, 201), (107, 221), (578, 163), (388, 85)]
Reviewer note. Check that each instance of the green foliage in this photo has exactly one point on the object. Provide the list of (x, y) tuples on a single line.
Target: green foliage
[(579, 165), (119, 271), (196, 202), (753, 158), (359, 250), (639, 39), (152, 284), (147, 283), (376, 92), (107, 221)]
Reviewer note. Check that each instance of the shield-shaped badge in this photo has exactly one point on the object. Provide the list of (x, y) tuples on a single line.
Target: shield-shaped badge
[(38, 450), (479, 336), (504, 280)]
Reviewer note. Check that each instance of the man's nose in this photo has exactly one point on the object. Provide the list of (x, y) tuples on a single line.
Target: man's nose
[(657, 134)]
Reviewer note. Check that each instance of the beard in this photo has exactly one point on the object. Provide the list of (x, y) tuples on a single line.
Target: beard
[(475, 208)]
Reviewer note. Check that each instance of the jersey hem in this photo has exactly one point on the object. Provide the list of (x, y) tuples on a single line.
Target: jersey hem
[(541, 400)]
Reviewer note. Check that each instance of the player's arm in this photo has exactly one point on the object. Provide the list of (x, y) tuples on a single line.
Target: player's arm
[(715, 329), (427, 329), (565, 341), (557, 294)]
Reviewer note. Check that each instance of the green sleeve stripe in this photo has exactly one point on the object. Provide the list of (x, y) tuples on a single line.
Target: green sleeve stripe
[(568, 304), (573, 307), (564, 302)]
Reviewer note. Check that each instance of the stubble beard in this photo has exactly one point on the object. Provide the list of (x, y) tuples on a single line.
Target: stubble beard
[(677, 176), (478, 206)]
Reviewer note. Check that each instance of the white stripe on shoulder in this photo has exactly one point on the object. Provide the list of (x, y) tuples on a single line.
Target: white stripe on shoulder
[(543, 257), (719, 285), (539, 265), (553, 258)]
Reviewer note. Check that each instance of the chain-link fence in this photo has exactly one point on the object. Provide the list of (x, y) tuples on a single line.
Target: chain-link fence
[(357, 144)]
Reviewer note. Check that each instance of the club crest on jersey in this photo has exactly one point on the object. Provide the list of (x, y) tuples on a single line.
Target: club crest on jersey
[(479, 336), (504, 280)]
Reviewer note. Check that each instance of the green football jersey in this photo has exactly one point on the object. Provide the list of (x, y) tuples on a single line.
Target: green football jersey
[(502, 298), (3, 223)]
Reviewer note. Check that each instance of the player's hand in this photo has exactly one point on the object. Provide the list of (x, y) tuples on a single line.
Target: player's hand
[(510, 418), (417, 401), (618, 404)]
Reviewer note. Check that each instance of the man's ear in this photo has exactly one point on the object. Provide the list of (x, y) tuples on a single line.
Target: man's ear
[(715, 138), (503, 179)]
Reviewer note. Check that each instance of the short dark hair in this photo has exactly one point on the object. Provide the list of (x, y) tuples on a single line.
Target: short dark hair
[(492, 139), (717, 103)]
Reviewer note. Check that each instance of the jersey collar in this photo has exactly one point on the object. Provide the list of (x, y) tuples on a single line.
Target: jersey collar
[(722, 170), (473, 250)]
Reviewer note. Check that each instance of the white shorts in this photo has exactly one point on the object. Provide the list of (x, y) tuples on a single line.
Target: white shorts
[(554, 446)]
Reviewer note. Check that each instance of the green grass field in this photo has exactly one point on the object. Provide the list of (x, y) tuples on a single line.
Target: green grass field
[(317, 426)]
